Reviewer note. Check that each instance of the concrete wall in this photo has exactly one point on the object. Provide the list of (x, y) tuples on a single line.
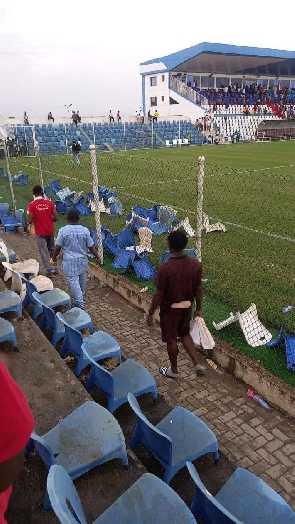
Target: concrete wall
[(183, 110)]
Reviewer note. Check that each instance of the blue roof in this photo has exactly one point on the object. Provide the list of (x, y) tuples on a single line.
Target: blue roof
[(229, 59)]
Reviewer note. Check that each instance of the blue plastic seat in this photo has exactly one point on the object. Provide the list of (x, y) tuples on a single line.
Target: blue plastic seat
[(166, 254), (130, 376), (75, 317), (7, 332), (179, 437), (4, 210), (88, 437), (10, 301), (74, 341), (53, 298), (9, 224), (147, 501), (243, 498)]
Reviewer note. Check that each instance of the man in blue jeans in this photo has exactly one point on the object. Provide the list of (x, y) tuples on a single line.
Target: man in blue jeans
[(74, 240)]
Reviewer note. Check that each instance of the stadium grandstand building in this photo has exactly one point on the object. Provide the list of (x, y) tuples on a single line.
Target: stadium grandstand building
[(187, 82)]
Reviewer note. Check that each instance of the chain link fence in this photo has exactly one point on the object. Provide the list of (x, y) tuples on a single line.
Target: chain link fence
[(238, 221)]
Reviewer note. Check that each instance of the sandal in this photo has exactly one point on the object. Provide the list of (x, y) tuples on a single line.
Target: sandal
[(166, 372), (200, 370)]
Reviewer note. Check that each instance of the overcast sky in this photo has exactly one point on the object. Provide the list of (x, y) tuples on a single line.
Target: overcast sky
[(88, 52)]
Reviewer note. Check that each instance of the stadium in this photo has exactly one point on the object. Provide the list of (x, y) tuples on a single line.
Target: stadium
[(212, 153)]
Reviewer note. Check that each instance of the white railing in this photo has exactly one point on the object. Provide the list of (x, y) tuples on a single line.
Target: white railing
[(189, 93)]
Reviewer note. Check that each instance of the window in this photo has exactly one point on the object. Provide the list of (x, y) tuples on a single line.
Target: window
[(172, 101), (162, 99), (163, 78), (153, 81), (153, 101)]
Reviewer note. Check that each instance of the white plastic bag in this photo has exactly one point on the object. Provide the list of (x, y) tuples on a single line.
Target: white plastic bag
[(201, 334)]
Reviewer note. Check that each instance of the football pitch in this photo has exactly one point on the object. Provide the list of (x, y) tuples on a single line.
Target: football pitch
[(247, 187)]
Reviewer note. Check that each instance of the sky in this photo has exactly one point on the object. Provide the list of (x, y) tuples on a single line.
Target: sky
[(88, 53)]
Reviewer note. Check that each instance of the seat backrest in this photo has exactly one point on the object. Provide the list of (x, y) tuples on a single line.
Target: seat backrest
[(159, 443), (44, 449), (4, 210), (205, 506), (17, 285), (125, 238), (31, 288), (4, 250), (74, 337), (61, 490), (145, 237), (50, 314), (103, 376)]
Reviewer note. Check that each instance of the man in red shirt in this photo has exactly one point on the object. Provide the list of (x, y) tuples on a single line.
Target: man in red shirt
[(17, 424), (178, 284), (42, 213)]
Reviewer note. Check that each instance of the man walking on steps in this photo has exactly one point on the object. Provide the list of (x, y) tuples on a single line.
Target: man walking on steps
[(75, 241), (178, 284), (42, 213)]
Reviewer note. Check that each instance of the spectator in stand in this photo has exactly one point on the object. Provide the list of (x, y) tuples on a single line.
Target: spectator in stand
[(78, 117), (26, 119), (76, 149), (74, 118), (50, 117), (74, 240), (149, 116), (24, 148), (155, 116), (118, 116), (141, 115), (111, 116), (42, 213), (17, 424)]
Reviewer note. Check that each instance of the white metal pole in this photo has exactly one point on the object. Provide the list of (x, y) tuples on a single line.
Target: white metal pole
[(124, 136), (179, 129), (66, 139), (26, 140), (37, 154), (93, 133), (9, 179), (200, 187), (153, 134), (96, 200)]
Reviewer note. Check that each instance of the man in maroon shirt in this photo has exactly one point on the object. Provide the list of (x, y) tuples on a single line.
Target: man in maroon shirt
[(178, 284), (42, 213)]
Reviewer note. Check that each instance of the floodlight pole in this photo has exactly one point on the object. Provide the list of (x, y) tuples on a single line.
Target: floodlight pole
[(96, 200), (200, 187)]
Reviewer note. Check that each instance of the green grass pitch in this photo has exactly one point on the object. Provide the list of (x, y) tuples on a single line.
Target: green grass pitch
[(250, 188)]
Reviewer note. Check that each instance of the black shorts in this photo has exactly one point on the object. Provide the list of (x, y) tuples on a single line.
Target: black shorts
[(174, 323)]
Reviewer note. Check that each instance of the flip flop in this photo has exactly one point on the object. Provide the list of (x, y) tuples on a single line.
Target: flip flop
[(200, 370), (166, 372)]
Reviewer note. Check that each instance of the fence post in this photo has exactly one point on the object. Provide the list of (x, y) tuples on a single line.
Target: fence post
[(201, 163), (96, 200), (37, 155), (9, 178)]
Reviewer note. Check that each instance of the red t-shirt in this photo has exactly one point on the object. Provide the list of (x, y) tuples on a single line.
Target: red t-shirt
[(178, 279), (17, 424), (41, 210)]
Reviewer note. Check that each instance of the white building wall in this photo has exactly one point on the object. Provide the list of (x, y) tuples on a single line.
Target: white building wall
[(162, 93)]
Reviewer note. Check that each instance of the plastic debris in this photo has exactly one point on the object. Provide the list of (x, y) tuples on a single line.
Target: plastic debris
[(287, 309), (211, 363), (258, 400)]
